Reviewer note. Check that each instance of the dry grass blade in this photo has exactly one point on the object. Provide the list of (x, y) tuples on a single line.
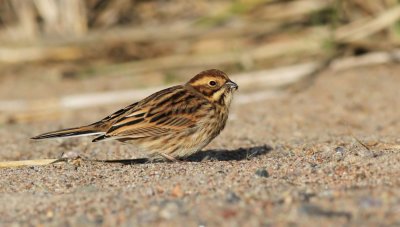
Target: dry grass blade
[(275, 78), (24, 163), (27, 54), (373, 58), (363, 28), (362, 144), (286, 10)]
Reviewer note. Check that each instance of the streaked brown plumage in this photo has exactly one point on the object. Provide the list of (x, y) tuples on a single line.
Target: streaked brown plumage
[(174, 123)]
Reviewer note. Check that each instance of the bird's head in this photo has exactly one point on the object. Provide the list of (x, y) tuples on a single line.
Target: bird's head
[(214, 85)]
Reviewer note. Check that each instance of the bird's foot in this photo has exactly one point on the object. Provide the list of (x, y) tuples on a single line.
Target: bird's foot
[(168, 157)]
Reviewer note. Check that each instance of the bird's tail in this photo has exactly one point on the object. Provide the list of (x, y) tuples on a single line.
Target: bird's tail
[(71, 132)]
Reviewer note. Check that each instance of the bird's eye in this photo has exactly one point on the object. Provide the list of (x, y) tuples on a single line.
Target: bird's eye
[(212, 83)]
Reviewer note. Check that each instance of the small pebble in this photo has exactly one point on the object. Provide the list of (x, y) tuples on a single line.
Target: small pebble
[(70, 155), (262, 172), (177, 191), (339, 150), (231, 197)]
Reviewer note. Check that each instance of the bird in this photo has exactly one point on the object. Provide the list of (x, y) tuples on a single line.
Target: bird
[(170, 124)]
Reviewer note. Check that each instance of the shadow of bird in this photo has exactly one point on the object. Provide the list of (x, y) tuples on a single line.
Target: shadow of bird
[(215, 155)]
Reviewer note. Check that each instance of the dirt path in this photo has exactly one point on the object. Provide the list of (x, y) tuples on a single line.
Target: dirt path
[(285, 161)]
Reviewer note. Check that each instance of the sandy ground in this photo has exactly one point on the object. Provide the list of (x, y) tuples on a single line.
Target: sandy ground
[(288, 161)]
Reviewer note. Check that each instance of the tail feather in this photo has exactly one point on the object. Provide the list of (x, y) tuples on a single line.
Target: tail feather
[(70, 132)]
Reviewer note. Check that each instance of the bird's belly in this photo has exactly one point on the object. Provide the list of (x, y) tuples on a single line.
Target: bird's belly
[(191, 144), (196, 141), (183, 143)]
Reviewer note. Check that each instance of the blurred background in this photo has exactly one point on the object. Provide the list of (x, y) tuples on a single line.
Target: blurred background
[(52, 49)]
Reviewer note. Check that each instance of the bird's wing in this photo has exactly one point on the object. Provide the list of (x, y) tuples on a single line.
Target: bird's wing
[(167, 111)]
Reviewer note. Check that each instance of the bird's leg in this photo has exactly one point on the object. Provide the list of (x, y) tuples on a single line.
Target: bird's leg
[(170, 158)]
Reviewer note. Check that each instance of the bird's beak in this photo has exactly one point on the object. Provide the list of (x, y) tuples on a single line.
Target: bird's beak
[(232, 85)]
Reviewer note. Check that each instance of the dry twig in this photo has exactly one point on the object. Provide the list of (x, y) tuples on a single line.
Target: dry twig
[(38, 162)]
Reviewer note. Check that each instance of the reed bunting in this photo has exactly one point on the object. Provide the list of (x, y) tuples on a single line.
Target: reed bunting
[(173, 123)]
